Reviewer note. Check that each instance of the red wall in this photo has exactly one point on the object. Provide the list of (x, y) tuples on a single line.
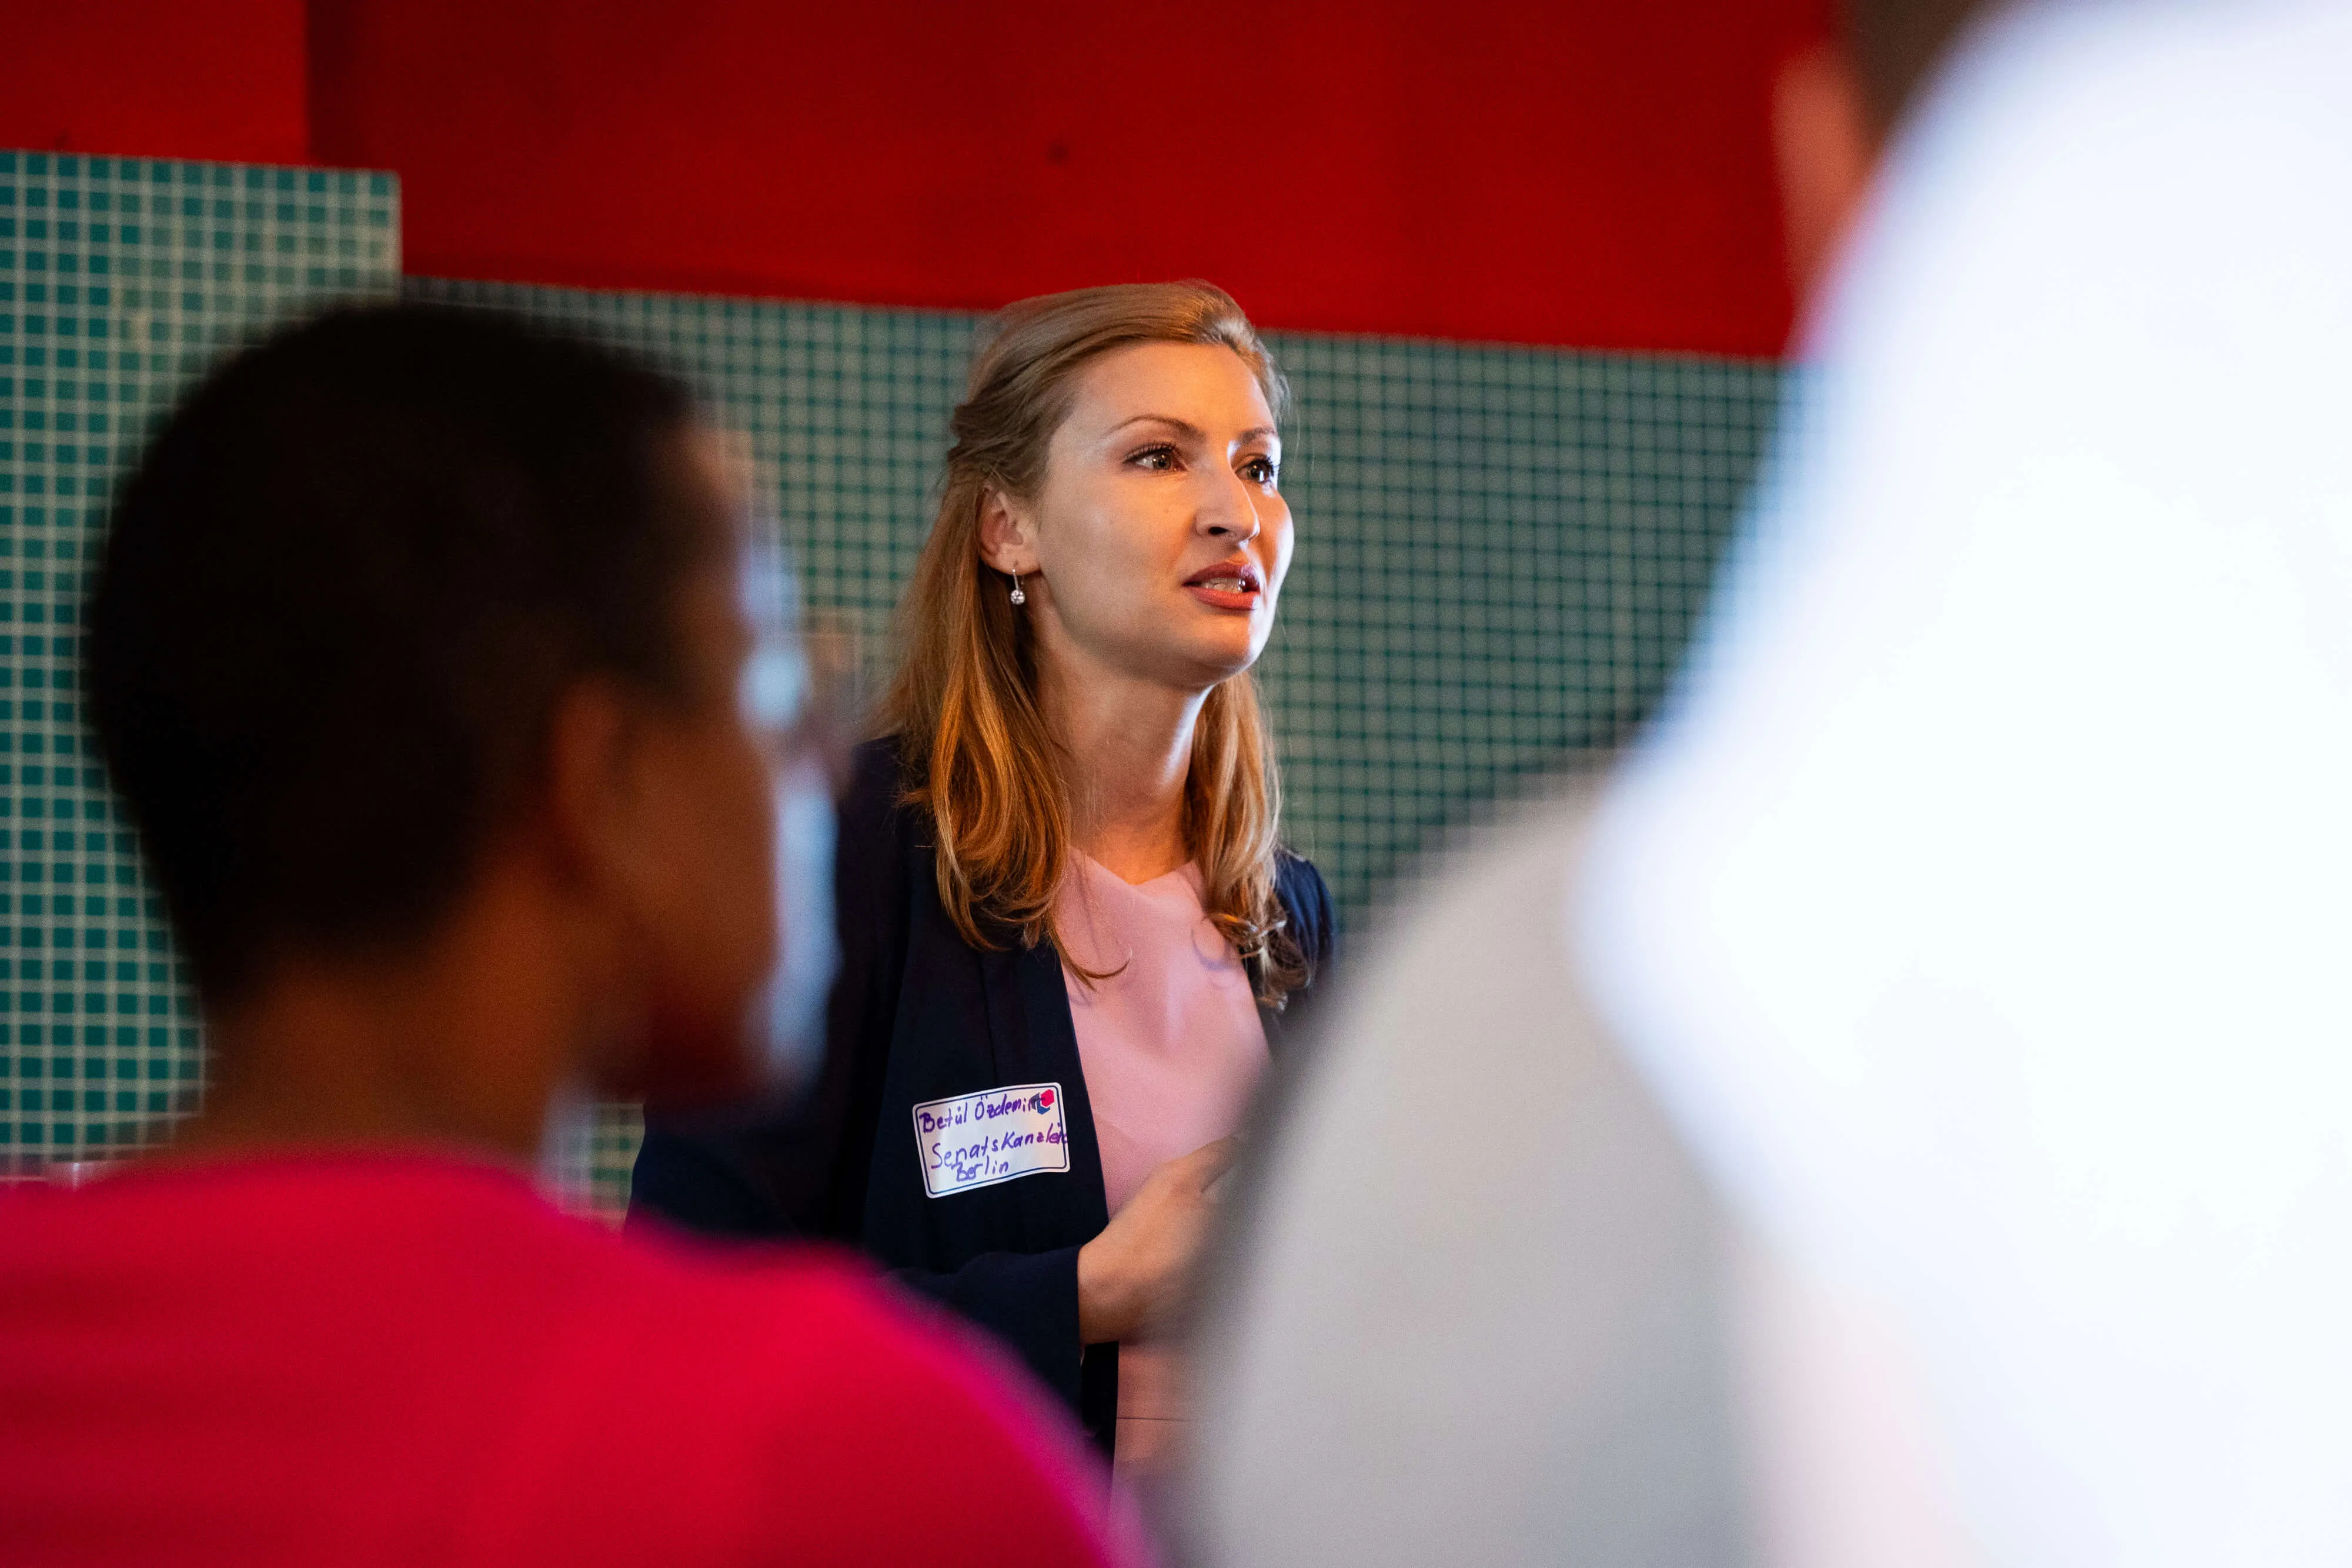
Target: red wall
[(1592, 174), (171, 79)]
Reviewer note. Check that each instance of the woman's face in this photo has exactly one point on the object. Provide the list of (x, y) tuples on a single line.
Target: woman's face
[(1158, 542)]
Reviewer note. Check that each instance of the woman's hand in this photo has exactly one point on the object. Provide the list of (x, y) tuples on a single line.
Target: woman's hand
[(1133, 1273)]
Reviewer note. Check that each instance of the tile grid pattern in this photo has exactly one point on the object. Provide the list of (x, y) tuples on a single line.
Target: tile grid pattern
[(1500, 552), (120, 279)]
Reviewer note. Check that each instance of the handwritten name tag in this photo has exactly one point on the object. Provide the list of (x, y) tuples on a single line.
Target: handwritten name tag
[(977, 1140)]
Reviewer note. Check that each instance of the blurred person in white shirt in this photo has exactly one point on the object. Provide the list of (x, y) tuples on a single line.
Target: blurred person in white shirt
[(1898, 1117)]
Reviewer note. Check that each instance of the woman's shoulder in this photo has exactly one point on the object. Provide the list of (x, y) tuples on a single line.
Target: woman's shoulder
[(878, 771), (1306, 899), (872, 813)]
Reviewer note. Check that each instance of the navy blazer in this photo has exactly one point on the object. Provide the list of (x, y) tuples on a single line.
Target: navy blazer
[(918, 1014)]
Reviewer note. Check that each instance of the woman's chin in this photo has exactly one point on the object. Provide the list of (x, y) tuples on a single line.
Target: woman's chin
[(1195, 659), (1223, 664)]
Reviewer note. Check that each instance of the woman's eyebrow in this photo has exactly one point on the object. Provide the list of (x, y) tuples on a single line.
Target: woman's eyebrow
[(1183, 427), (1193, 432)]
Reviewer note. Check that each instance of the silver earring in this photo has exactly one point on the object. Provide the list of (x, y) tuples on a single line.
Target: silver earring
[(1019, 597)]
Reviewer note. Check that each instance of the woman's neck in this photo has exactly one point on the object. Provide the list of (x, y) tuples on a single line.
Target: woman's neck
[(1128, 745)]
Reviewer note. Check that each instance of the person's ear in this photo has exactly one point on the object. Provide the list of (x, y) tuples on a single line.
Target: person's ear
[(597, 805), (1007, 534), (1827, 147)]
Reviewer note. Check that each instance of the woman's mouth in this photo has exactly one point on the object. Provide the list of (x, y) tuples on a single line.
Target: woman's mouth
[(1227, 586)]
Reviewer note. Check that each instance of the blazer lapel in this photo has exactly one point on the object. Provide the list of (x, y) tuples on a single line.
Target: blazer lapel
[(1033, 1041)]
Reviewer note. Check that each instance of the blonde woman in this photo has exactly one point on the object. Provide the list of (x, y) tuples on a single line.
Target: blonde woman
[(1069, 929)]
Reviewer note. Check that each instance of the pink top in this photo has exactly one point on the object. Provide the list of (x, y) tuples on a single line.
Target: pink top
[(1171, 1047)]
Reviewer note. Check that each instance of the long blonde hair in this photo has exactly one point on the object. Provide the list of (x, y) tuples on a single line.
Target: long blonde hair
[(982, 763)]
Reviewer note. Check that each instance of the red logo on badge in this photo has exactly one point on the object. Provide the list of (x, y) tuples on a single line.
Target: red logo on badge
[(1045, 1100)]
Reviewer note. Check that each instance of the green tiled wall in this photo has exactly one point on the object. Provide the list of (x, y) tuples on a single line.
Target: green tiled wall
[(1500, 551), (120, 278)]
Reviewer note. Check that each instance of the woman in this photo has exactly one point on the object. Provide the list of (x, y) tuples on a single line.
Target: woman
[(1068, 931)]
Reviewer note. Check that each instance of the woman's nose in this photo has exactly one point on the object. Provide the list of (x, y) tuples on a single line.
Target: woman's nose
[(1232, 513)]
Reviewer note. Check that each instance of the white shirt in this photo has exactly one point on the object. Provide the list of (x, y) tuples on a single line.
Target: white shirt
[(1981, 916), (1983, 910)]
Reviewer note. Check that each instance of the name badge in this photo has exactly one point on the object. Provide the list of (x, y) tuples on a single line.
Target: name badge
[(977, 1140)]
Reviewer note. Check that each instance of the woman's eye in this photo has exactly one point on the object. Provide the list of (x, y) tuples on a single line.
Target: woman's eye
[(1260, 471), (1158, 459)]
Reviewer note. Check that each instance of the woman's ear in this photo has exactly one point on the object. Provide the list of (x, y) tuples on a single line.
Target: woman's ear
[(1005, 542)]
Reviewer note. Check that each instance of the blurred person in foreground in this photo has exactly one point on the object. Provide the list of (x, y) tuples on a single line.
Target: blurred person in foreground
[(421, 657), (1903, 1121)]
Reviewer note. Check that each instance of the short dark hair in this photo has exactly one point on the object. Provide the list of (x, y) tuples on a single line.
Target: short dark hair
[(342, 595), (1896, 45)]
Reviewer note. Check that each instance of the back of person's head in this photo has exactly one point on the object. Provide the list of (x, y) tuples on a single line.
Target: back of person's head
[(1837, 107), (344, 590), (1895, 46)]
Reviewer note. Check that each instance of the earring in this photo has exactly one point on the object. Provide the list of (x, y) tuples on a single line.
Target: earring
[(1019, 597)]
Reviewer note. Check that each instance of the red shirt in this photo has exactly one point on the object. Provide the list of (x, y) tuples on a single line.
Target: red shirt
[(387, 1359)]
